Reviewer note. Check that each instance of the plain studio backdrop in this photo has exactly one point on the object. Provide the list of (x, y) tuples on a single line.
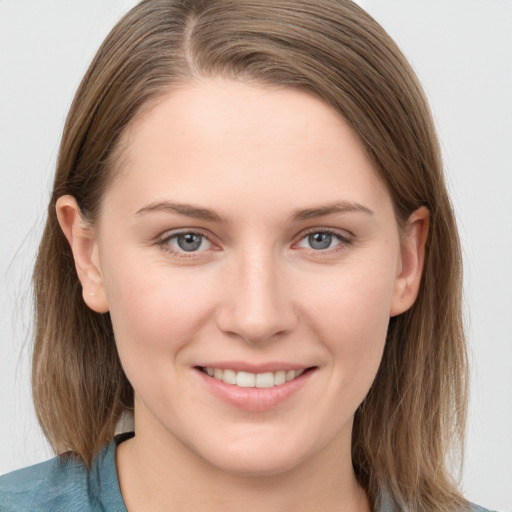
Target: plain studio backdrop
[(462, 52)]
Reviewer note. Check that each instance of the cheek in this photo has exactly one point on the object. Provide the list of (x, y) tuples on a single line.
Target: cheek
[(356, 300), (157, 310), (350, 312)]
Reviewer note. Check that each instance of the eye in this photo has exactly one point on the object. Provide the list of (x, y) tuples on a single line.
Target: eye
[(322, 240), (187, 242)]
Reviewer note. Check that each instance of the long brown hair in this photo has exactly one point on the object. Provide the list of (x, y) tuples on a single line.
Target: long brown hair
[(415, 410)]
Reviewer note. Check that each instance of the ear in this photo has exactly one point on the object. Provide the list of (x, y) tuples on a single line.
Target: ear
[(82, 240), (410, 265)]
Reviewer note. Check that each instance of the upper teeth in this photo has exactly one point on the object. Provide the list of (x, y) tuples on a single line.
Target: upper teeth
[(253, 380)]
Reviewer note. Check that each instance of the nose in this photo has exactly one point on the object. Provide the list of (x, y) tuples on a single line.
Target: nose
[(257, 305)]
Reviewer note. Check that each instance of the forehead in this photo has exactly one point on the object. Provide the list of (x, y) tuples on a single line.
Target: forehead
[(236, 138)]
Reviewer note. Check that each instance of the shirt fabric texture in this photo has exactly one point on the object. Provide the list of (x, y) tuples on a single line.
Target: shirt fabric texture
[(63, 484)]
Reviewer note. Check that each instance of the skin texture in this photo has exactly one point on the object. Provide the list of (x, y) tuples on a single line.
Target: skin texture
[(255, 292)]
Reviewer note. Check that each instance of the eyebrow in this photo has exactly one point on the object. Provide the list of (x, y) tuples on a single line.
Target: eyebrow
[(329, 209), (182, 209), (211, 216)]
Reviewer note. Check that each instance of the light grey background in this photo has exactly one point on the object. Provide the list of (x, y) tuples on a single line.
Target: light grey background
[(462, 52)]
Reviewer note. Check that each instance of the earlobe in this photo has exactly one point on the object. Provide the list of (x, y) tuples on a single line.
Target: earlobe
[(412, 257), (82, 240)]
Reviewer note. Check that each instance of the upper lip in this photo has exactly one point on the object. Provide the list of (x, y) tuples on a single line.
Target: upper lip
[(242, 366)]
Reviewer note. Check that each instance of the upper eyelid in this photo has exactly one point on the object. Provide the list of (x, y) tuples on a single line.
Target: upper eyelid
[(164, 240), (342, 233), (167, 235)]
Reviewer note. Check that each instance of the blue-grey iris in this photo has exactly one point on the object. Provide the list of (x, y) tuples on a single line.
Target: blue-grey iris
[(320, 241), (189, 241)]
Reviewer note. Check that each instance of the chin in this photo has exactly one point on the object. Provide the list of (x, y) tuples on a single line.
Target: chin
[(264, 465), (268, 457)]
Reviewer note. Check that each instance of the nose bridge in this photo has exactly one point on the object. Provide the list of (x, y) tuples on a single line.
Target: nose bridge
[(258, 306)]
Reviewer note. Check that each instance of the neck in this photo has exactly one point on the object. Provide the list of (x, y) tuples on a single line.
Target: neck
[(156, 475)]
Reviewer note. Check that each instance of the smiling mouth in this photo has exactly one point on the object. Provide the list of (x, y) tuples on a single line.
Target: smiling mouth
[(254, 380)]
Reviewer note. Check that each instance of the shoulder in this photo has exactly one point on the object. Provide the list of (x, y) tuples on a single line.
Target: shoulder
[(476, 508), (388, 505), (64, 484), (61, 483)]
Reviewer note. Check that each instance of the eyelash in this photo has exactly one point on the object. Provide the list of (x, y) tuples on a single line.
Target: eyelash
[(343, 241)]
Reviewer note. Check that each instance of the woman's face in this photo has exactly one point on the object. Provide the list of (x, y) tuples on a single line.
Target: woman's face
[(248, 236)]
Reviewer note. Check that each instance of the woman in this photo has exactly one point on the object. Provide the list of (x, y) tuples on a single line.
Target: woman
[(279, 331)]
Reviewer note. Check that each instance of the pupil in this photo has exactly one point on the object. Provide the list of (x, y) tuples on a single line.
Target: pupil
[(189, 241), (320, 240)]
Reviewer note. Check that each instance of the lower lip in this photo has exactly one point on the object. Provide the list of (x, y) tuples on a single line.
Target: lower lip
[(255, 399)]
